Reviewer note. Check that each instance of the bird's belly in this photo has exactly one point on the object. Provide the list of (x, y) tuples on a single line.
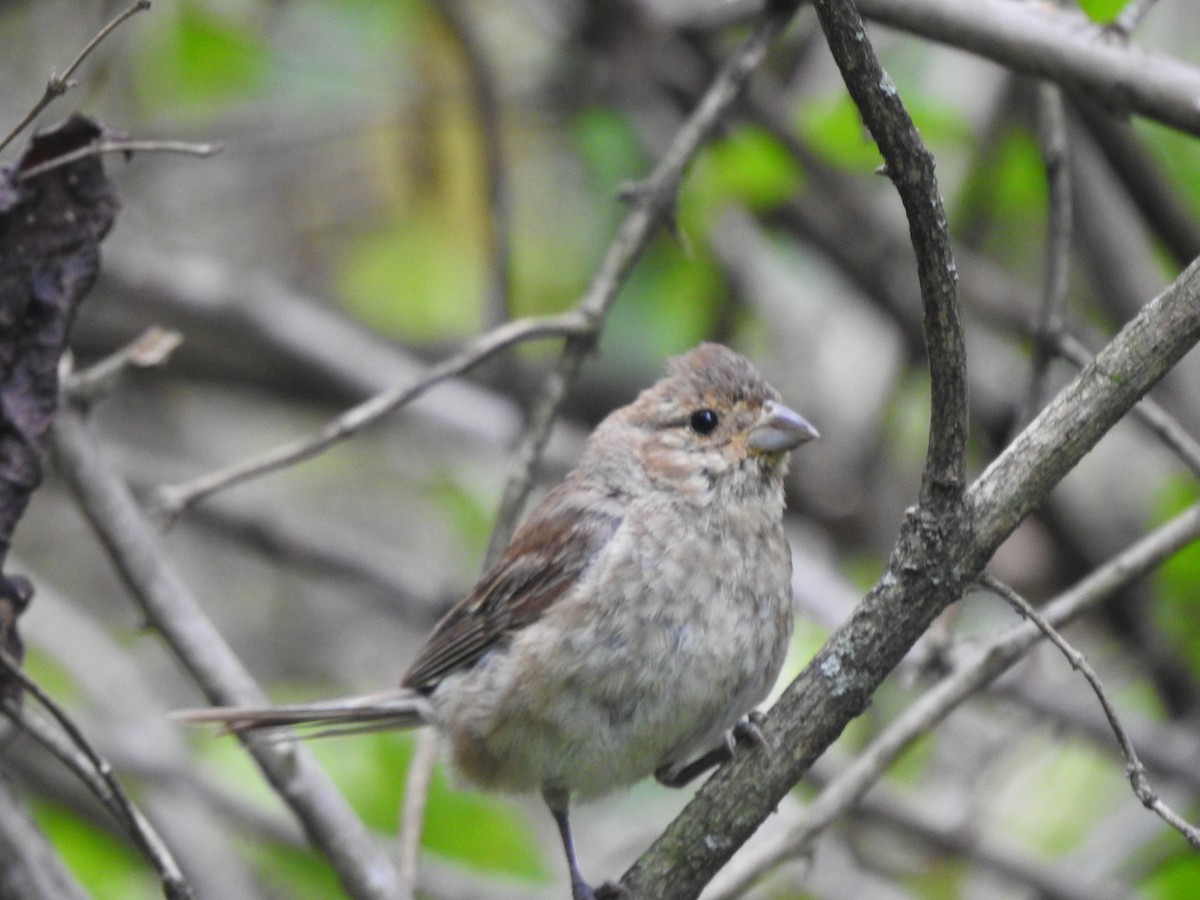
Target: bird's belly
[(631, 693)]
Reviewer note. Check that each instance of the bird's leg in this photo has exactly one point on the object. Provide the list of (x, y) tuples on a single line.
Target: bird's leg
[(558, 800), (746, 731)]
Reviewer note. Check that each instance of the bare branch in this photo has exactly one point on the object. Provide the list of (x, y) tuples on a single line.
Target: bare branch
[(170, 607), (650, 203), (412, 813), (121, 146), (1044, 40), (1129, 18), (151, 348), (171, 500), (987, 664), (1052, 139), (94, 771), (910, 166), (1136, 771), (58, 84)]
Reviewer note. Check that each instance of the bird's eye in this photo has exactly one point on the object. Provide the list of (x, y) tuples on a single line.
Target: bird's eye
[(704, 421)]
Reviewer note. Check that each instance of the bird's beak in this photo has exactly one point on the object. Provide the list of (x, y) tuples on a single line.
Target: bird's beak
[(779, 429)]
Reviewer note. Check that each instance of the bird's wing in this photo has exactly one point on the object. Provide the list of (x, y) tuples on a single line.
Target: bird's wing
[(545, 560)]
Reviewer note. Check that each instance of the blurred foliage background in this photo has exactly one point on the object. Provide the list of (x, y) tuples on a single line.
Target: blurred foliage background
[(344, 239)]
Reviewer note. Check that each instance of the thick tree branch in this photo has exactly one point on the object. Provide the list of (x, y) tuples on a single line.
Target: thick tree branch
[(1043, 40), (929, 570), (985, 665)]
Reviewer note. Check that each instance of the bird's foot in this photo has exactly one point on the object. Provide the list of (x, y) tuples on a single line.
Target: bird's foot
[(610, 890), (748, 730)]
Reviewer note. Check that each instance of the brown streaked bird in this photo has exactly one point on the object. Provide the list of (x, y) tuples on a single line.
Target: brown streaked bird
[(635, 620)]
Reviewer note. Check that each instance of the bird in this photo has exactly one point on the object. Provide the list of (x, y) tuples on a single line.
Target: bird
[(635, 620)]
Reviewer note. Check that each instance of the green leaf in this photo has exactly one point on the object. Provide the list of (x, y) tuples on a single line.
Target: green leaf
[(1177, 878), (609, 149), (750, 166), (1178, 156), (483, 830), (1063, 788), (1103, 11), (107, 868), (51, 676), (480, 829), (669, 304), (196, 61), (294, 872), (469, 515), (832, 127), (1007, 192), (1177, 581), (420, 279)]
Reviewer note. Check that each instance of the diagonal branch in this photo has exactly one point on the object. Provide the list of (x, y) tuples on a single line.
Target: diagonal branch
[(74, 751), (650, 204), (986, 664), (927, 572), (59, 84), (171, 500), (1138, 779), (170, 607)]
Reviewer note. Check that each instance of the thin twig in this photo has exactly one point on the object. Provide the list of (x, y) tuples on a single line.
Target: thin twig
[(59, 84), (151, 348), (412, 812), (121, 146), (171, 500), (1134, 769), (1052, 140), (97, 774), (991, 660), (650, 202)]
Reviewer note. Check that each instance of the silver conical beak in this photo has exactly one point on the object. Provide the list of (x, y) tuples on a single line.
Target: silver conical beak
[(779, 429)]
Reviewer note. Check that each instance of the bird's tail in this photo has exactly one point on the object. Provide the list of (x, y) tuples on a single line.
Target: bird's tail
[(384, 711)]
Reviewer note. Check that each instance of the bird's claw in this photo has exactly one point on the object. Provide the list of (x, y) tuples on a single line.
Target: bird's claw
[(748, 731), (610, 890)]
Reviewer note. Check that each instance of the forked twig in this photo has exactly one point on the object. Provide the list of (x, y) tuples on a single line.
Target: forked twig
[(59, 84), (1134, 769), (94, 771)]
